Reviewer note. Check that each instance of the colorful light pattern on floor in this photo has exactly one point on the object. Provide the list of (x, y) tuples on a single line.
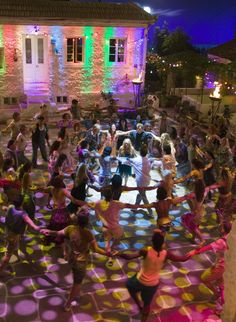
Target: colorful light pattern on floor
[(38, 290)]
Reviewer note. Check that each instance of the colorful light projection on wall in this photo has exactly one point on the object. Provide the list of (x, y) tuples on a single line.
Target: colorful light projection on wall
[(109, 32), (57, 62), (88, 67), (97, 72), (11, 42), (2, 60)]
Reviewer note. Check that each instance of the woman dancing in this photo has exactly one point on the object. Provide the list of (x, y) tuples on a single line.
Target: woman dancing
[(126, 151)]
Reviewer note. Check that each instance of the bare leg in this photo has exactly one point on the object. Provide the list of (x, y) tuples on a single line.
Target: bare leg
[(145, 314), (74, 292), (199, 235), (12, 248), (5, 261)]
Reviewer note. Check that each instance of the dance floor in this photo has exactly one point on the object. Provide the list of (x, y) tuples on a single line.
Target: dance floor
[(42, 279)]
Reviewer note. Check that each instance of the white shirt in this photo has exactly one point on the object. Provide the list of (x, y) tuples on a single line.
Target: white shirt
[(21, 142), (142, 168)]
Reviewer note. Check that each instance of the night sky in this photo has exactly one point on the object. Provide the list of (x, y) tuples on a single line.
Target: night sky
[(205, 21)]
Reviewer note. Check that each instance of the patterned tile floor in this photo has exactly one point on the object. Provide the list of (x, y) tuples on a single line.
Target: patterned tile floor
[(39, 287)]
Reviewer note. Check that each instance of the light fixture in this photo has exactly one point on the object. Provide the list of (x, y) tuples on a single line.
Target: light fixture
[(36, 30), (147, 9)]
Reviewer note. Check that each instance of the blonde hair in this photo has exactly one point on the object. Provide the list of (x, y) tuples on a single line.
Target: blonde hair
[(130, 148), (165, 138)]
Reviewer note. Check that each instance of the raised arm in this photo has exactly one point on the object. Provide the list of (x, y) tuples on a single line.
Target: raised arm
[(182, 179), (189, 196), (131, 254), (98, 189), (45, 189), (155, 137), (125, 188), (177, 258), (30, 223), (118, 133), (53, 233), (97, 249)]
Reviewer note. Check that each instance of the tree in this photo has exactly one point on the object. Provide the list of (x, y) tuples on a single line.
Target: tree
[(177, 61), (176, 42)]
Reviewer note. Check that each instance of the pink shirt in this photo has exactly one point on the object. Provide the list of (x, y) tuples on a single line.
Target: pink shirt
[(152, 264), (108, 212)]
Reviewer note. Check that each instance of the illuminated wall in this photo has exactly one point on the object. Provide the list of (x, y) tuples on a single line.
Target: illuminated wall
[(11, 75), (93, 75)]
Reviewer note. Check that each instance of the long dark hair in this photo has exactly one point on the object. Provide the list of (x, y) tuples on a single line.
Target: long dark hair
[(120, 127), (54, 147), (157, 242), (198, 164), (62, 133), (199, 190), (24, 169), (60, 160)]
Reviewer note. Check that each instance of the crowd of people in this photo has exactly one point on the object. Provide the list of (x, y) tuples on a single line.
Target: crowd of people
[(104, 157)]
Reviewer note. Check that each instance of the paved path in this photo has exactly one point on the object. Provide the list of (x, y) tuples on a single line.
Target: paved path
[(38, 289)]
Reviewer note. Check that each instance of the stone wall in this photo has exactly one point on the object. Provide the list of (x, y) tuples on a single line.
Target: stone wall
[(93, 75), (11, 75)]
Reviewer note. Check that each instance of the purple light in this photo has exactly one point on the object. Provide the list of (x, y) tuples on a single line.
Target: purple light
[(55, 300), (49, 315), (25, 307), (18, 289)]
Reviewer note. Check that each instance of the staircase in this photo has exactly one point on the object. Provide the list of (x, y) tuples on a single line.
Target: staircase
[(36, 94)]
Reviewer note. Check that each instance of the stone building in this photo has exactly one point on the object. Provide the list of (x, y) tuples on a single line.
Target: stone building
[(56, 50)]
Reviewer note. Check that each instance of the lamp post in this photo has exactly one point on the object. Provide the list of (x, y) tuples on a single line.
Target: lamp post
[(215, 101), (215, 106)]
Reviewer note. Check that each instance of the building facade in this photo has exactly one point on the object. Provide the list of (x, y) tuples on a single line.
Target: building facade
[(55, 51)]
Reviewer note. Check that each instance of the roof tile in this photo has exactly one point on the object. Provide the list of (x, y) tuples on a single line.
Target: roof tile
[(72, 9)]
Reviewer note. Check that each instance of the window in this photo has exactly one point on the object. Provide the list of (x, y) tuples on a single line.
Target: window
[(74, 50), (1, 57), (40, 51), (117, 50), (9, 100), (62, 99), (28, 51)]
